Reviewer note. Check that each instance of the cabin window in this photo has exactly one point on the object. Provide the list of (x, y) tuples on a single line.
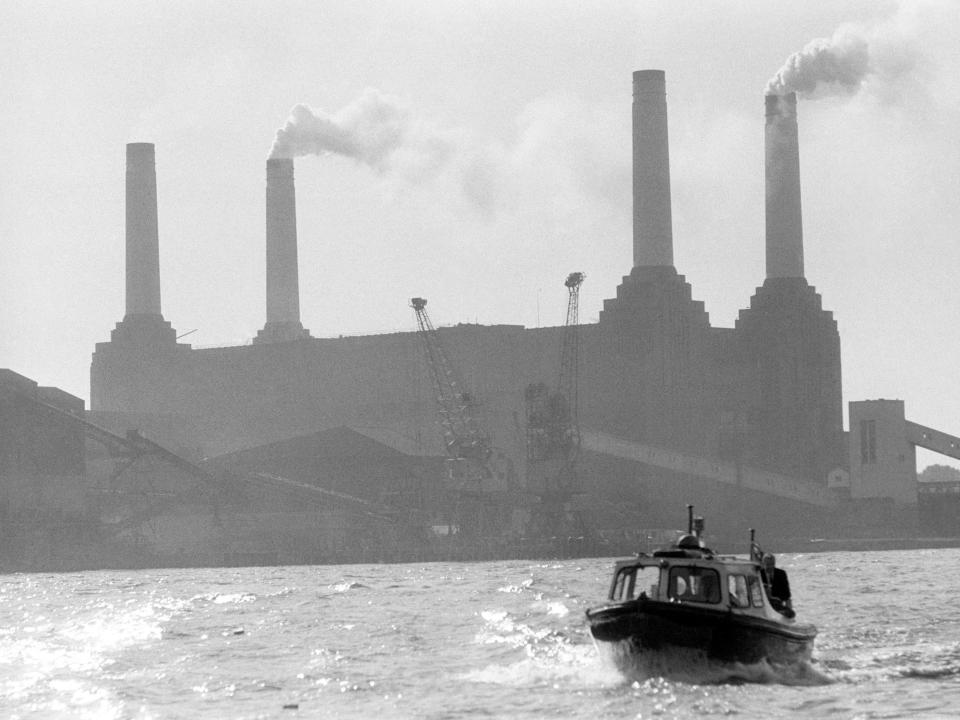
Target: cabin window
[(631, 582), (756, 590), (737, 587), (693, 584), (745, 590), (623, 584)]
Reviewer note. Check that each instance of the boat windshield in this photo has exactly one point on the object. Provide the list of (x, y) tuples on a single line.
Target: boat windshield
[(633, 581), (694, 584)]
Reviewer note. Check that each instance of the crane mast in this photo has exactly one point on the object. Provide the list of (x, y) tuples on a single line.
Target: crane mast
[(553, 428), (553, 436), (568, 386), (463, 437), (474, 506)]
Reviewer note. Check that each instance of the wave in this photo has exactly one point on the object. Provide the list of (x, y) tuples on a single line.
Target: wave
[(346, 586), (517, 588), (500, 628), (224, 598), (926, 661), (570, 665), (930, 673), (695, 668)]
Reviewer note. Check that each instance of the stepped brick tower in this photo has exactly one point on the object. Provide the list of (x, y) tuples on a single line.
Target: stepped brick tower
[(136, 368), (654, 336)]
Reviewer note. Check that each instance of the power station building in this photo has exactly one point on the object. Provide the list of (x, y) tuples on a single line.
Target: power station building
[(661, 392), (765, 393)]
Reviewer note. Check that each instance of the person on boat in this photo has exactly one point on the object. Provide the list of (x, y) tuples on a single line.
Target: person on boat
[(778, 586)]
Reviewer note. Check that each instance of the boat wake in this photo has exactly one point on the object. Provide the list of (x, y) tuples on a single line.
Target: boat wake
[(693, 667), (926, 661)]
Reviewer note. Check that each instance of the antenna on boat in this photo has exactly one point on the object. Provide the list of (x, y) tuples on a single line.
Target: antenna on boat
[(756, 552), (689, 519)]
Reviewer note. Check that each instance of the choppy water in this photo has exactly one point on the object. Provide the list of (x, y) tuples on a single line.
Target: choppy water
[(458, 640)]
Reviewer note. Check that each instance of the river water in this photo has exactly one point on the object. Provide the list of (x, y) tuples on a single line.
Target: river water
[(452, 640)]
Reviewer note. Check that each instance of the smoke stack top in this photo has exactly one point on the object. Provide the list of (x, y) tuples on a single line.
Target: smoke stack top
[(279, 168), (781, 106)]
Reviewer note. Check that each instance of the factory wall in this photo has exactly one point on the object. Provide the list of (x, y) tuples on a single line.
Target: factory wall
[(645, 496), (652, 370), (883, 462), (227, 399), (938, 508), (41, 457)]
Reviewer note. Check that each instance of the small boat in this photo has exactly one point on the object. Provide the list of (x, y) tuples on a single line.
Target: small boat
[(688, 603)]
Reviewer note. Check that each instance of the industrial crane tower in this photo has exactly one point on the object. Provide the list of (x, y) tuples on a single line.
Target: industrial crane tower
[(462, 436), (480, 478), (553, 435)]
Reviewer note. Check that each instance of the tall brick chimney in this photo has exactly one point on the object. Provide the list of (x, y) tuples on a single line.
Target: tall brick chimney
[(143, 246), (782, 165), (283, 285), (652, 223)]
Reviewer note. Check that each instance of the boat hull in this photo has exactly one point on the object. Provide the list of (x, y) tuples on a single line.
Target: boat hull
[(647, 627)]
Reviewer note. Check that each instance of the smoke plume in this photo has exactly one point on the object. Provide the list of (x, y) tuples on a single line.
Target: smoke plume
[(370, 130), (558, 156), (843, 63)]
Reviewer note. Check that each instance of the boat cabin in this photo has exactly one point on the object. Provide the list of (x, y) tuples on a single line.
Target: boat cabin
[(684, 576)]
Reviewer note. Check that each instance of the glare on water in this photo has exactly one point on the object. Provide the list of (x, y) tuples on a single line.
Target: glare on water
[(447, 640)]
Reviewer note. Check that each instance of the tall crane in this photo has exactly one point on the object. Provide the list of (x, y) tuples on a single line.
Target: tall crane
[(553, 427), (480, 477), (462, 435), (553, 431), (568, 387)]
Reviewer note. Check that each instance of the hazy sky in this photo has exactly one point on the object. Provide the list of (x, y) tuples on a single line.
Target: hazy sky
[(499, 162)]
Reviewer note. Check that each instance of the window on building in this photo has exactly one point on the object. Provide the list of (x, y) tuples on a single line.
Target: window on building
[(868, 441)]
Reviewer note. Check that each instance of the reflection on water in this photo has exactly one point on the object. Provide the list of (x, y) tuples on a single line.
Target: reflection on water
[(438, 640)]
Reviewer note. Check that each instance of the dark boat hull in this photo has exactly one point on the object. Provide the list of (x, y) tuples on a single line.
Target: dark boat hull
[(645, 627)]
